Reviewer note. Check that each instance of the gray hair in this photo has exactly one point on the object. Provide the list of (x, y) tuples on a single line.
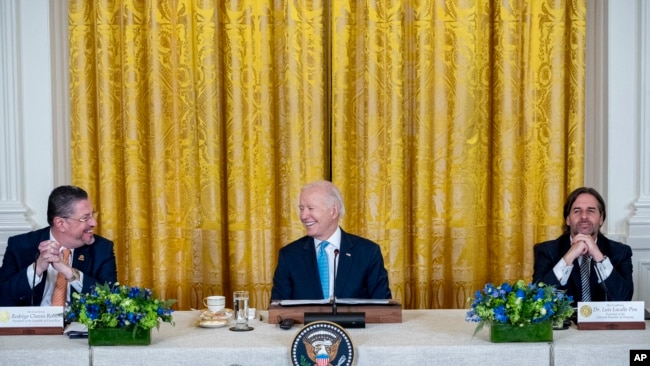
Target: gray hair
[(332, 194)]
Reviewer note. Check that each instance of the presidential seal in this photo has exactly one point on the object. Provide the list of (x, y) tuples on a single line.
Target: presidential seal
[(585, 311), (322, 343)]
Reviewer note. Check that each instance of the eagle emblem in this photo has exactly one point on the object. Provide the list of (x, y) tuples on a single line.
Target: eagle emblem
[(322, 343), (321, 351)]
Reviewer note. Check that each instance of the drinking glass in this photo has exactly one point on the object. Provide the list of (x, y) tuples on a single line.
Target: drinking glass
[(240, 299)]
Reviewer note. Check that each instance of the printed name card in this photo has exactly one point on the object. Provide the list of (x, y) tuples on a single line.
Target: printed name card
[(611, 315), (35, 318)]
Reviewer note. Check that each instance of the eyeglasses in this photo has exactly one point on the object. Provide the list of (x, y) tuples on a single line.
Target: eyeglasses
[(93, 215)]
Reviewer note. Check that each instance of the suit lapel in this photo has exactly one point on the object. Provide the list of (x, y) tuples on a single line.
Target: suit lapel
[(81, 259), (309, 263), (344, 262)]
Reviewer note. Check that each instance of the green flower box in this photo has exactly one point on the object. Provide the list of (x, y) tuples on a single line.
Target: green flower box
[(538, 332), (119, 337)]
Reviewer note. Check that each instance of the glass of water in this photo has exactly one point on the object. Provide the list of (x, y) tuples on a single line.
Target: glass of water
[(240, 306)]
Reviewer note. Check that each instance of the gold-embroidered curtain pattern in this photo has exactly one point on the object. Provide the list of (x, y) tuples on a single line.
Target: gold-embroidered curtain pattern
[(453, 128)]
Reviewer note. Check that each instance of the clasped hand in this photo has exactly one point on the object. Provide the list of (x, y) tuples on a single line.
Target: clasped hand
[(49, 253), (583, 244)]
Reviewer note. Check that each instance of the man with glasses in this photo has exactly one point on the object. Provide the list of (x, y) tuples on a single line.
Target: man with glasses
[(67, 250)]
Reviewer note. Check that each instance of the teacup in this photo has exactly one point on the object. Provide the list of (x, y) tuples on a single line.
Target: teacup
[(215, 303)]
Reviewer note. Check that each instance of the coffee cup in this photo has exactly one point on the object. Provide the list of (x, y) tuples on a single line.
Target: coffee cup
[(215, 303)]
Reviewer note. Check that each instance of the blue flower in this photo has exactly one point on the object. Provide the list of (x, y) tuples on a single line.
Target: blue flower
[(506, 287), (518, 303), (500, 314), (539, 295), (135, 291), (112, 305)]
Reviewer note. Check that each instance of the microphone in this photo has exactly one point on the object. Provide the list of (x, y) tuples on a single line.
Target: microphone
[(346, 319), (336, 255), (600, 278), (34, 279)]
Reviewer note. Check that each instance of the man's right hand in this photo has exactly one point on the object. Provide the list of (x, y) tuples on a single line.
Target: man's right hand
[(48, 252), (578, 248)]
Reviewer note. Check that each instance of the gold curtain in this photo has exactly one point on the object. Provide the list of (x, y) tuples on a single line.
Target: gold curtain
[(462, 123), (453, 128)]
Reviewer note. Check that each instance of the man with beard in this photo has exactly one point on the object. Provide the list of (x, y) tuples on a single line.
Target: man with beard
[(34, 262), (606, 264)]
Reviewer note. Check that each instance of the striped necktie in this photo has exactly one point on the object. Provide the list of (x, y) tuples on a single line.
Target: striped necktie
[(60, 294), (584, 275), (324, 269)]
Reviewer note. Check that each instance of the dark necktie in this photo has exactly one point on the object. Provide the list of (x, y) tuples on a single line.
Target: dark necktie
[(584, 275)]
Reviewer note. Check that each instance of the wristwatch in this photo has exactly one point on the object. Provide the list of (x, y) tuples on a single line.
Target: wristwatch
[(75, 275)]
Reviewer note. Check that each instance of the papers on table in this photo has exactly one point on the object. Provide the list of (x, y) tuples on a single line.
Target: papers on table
[(75, 327), (327, 301)]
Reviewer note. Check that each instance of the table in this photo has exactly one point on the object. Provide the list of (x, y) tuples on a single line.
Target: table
[(30, 350), (425, 337), (598, 347)]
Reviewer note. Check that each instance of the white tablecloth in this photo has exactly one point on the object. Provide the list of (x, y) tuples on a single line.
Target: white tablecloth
[(425, 337), (31, 350), (598, 347)]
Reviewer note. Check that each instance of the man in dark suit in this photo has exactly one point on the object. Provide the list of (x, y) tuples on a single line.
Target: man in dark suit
[(360, 271), (33, 260), (608, 264)]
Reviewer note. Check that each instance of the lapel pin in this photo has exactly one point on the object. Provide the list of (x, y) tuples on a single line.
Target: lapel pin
[(81, 258)]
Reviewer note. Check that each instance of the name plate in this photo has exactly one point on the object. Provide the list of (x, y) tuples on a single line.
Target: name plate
[(608, 315), (31, 320)]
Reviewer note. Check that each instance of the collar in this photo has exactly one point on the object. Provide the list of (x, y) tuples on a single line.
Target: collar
[(334, 240)]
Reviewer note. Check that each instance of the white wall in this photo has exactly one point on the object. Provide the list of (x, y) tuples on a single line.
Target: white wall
[(34, 152), (627, 173)]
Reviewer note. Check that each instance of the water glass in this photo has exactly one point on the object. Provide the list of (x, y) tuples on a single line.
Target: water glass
[(240, 299)]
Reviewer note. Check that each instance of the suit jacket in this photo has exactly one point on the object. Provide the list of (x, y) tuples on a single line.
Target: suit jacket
[(96, 261), (618, 286), (360, 271)]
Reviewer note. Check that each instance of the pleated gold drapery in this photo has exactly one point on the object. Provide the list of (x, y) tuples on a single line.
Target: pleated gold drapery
[(453, 128)]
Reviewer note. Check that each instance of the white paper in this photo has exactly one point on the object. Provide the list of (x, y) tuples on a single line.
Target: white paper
[(75, 327), (338, 301)]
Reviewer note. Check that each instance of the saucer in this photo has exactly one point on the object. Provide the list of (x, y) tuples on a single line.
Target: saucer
[(224, 314), (212, 323), (241, 330)]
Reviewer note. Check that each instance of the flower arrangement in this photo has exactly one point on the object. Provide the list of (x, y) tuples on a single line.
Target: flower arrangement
[(519, 304), (115, 306)]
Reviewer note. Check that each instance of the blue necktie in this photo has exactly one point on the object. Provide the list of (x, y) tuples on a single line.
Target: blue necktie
[(324, 269)]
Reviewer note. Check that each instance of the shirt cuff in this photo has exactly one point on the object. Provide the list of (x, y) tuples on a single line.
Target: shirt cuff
[(32, 278), (605, 269), (78, 284), (562, 271)]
